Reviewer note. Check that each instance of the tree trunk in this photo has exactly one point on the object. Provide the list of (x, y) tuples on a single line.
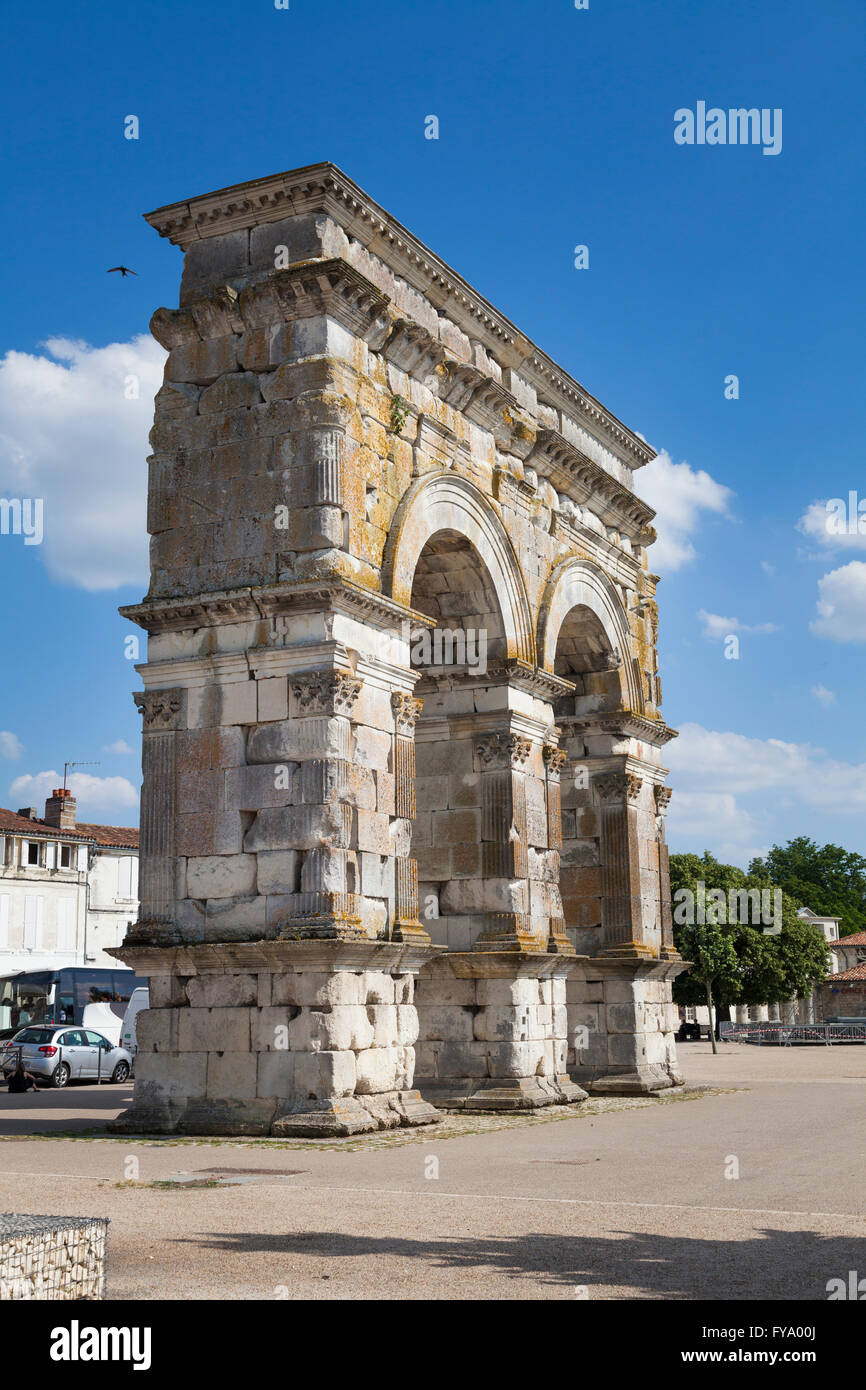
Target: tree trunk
[(712, 1021)]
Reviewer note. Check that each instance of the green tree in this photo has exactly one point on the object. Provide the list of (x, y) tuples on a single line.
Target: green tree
[(828, 879), (710, 949), (735, 961)]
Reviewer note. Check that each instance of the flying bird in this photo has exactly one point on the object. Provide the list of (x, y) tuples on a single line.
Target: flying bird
[(124, 270)]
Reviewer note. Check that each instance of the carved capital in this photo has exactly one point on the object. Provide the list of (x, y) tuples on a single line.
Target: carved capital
[(325, 692), (617, 787), (501, 750), (555, 760), (161, 709), (663, 796), (406, 710)]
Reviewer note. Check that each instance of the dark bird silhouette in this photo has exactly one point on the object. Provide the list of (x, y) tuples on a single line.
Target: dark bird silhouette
[(124, 270)]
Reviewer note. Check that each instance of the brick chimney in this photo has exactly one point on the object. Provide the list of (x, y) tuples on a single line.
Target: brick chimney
[(60, 809)]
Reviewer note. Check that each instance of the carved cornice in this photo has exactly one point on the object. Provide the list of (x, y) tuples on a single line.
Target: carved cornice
[(626, 724), (314, 288), (162, 709), (614, 788), (413, 349), (249, 604), (406, 711), (533, 679), (501, 750), (323, 188), (325, 692), (571, 471), (493, 408)]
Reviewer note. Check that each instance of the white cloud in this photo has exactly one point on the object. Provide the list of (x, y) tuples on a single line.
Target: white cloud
[(10, 745), (716, 764), (69, 435), (768, 569), (121, 746), (842, 604), (679, 495), (825, 696), (105, 794), (717, 626), (829, 521)]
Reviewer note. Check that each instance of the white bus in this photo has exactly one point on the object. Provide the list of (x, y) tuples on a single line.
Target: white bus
[(85, 996)]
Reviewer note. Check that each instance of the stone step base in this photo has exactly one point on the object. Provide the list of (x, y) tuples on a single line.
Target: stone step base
[(356, 1115), (641, 1082), (500, 1093), (311, 1119)]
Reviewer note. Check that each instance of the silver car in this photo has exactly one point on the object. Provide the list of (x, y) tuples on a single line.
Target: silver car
[(57, 1056)]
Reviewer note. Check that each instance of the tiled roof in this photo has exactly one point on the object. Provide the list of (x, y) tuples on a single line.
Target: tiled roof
[(857, 972), (13, 824), (857, 938), (117, 836), (120, 836)]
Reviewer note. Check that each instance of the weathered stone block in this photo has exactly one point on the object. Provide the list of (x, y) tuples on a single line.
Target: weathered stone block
[(222, 991), (321, 1075), (214, 1030), (221, 876)]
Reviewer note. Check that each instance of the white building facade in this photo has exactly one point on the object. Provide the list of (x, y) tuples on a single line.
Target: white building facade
[(68, 891)]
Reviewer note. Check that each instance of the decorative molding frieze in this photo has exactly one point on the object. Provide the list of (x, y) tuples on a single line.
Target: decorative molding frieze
[(161, 709), (572, 472), (323, 188), (314, 288), (625, 724), (241, 605), (413, 349), (534, 679)]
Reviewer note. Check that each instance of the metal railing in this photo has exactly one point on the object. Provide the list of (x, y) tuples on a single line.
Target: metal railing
[(790, 1034)]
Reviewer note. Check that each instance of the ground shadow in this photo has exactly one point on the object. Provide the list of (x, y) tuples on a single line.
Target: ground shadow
[(770, 1264)]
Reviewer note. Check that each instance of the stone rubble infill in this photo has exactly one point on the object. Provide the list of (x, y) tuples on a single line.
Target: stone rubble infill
[(452, 1125), (51, 1257)]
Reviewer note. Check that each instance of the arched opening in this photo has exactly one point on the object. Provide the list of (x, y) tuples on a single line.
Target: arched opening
[(584, 655), (453, 587), (587, 653)]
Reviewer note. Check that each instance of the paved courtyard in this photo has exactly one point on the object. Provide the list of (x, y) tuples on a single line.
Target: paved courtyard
[(614, 1199)]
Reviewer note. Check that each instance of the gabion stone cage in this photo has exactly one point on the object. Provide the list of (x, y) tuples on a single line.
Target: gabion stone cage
[(52, 1257)]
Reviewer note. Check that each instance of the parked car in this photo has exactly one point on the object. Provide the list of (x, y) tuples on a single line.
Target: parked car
[(56, 1056)]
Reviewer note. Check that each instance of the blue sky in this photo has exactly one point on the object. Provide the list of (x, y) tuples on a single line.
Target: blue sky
[(555, 129)]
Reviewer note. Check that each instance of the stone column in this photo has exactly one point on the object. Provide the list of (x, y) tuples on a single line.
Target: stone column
[(668, 949), (162, 712), (554, 761), (407, 926), (322, 908), (501, 758), (622, 916)]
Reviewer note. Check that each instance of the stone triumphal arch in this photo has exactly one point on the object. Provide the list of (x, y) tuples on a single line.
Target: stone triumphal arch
[(403, 805)]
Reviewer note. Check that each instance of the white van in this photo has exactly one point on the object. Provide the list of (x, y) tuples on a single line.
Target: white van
[(138, 1000)]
